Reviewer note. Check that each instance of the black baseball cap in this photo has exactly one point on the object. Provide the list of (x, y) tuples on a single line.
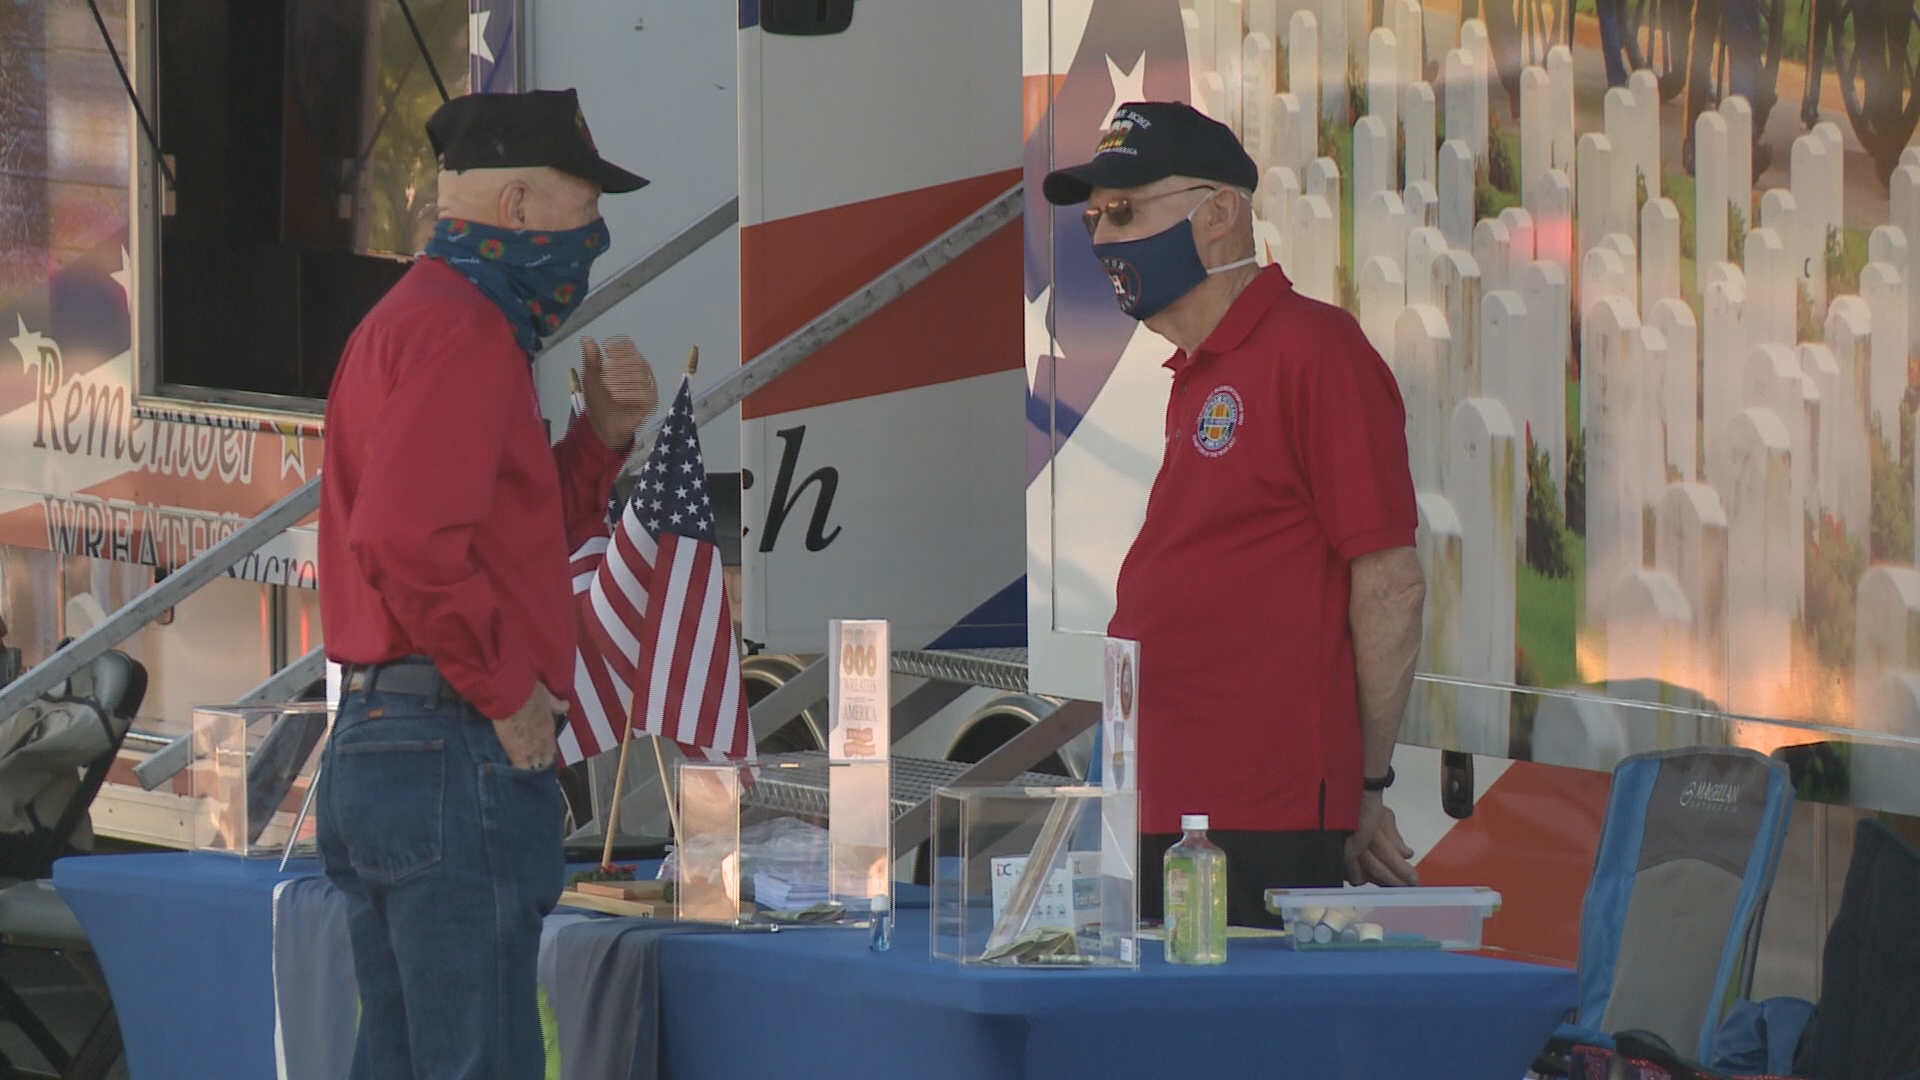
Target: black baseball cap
[(512, 131), (1152, 140)]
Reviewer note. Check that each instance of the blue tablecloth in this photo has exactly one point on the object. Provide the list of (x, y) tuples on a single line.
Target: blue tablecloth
[(186, 942), (822, 1004)]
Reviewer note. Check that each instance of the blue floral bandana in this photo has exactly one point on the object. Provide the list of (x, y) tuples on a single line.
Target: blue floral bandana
[(535, 278)]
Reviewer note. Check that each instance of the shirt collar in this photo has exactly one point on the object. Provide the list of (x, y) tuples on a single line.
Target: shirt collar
[(1246, 311)]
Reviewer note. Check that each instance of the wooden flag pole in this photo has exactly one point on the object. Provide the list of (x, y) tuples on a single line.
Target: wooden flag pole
[(626, 743)]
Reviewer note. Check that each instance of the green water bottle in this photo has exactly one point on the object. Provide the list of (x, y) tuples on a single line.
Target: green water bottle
[(1196, 896)]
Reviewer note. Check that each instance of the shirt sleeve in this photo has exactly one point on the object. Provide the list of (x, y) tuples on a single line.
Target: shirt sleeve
[(427, 486), (1353, 445), (587, 471)]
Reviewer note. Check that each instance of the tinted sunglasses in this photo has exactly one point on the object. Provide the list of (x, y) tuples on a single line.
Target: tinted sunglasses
[(1120, 211)]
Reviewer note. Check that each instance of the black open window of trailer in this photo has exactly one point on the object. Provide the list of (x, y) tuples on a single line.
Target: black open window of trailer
[(294, 182)]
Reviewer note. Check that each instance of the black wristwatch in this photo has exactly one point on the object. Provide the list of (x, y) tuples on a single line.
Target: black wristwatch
[(1369, 783)]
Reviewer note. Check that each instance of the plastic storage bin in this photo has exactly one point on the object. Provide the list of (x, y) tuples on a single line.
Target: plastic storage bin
[(250, 774), (1371, 917)]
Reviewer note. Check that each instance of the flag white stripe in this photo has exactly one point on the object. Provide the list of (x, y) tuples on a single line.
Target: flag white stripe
[(590, 701), (724, 731), (629, 581), (669, 616), (699, 665), (569, 745), (617, 630)]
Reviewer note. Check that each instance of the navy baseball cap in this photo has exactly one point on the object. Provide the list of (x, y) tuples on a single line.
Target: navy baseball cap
[(1152, 140), (511, 131)]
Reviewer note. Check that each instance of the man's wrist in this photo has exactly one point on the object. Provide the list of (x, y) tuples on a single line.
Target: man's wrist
[(1376, 784)]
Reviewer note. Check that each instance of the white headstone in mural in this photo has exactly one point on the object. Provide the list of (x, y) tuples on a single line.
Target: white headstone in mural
[(1770, 287), (1709, 193), (1679, 387), (1492, 250), (1764, 556), (1886, 634), (1316, 249), (1421, 356), (1886, 297), (1772, 382), (1303, 61), (1372, 162), (1380, 229), (1456, 194), (1649, 630), (1536, 133), (1383, 293), (1383, 79), (1560, 106), (1594, 187), (1423, 205), (1659, 253), (1425, 246), (1473, 39), (1433, 709), (1543, 286), (1849, 340), (1722, 371), (1418, 120), (1690, 544), (1609, 345), (1481, 487)]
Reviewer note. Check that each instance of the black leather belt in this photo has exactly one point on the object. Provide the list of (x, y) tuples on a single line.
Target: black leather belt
[(407, 675)]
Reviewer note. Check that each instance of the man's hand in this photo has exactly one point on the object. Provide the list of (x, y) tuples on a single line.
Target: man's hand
[(528, 735), (1375, 851), (619, 389)]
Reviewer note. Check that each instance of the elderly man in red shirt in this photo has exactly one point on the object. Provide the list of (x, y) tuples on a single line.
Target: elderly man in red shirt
[(446, 522), (1273, 587)]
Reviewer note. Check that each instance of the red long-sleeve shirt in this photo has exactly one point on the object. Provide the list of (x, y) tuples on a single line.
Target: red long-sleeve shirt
[(446, 520)]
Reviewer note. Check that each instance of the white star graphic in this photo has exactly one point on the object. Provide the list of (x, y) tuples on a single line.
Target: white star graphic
[(1127, 86), (686, 466), (32, 347), (124, 276), (1039, 335), (477, 35), (675, 519), (679, 493)]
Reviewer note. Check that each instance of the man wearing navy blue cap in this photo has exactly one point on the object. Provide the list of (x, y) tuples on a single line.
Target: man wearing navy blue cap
[(1273, 586), (446, 521)]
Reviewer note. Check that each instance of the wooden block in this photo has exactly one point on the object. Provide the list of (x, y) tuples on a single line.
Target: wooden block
[(644, 909), (624, 890)]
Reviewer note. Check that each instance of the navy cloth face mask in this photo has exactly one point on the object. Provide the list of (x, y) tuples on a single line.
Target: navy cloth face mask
[(535, 277), (1150, 273)]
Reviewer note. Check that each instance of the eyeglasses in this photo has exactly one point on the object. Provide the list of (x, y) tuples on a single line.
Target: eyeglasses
[(1120, 211)]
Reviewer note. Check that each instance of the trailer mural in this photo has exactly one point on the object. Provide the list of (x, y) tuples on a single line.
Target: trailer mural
[(1653, 325)]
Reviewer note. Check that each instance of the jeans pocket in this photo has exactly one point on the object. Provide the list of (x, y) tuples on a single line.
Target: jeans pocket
[(525, 816), (390, 802)]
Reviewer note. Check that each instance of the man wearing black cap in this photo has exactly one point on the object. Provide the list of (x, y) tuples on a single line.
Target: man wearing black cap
[(445, 526), (1273, 586)]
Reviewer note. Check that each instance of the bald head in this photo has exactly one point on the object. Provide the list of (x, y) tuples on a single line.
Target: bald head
[(523, 198)]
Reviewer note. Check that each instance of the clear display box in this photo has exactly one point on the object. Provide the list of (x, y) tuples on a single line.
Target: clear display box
[(251, 770), (1035, 876), (1372, 917), (753, 848)]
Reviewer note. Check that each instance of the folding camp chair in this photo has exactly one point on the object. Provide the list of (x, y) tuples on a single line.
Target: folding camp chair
[(1671, 920), (85, 721)]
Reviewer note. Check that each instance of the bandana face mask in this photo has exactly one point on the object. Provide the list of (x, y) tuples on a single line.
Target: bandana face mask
[(1150, 273), (535, 277)]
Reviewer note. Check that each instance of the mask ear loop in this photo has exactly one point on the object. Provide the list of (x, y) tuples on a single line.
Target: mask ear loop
[(1251, 260)]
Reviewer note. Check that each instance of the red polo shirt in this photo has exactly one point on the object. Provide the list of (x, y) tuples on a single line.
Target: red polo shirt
[(446, 520), (1286, 458)]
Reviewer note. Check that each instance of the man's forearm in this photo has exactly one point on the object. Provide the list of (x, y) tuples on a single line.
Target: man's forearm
[(1384, 614)]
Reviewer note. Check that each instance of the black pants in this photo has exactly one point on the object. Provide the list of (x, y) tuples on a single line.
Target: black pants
[(1256, 862)]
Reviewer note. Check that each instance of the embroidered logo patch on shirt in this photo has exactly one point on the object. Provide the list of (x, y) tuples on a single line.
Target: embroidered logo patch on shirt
[(1219, 421)]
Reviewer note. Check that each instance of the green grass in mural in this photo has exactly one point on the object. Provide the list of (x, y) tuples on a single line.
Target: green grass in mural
[(1547, 619)]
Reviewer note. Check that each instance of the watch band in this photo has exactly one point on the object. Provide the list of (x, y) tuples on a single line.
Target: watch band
[(1382, 783)]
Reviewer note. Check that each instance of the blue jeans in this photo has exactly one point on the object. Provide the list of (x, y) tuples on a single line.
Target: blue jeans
[(450, 858)]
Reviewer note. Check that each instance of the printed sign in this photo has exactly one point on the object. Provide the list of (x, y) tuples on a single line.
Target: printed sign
[(857, 689), (1069, 900)]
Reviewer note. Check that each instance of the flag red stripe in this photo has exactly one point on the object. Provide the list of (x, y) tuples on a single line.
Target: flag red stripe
[(650, 631), (694, 595), (717, 669)]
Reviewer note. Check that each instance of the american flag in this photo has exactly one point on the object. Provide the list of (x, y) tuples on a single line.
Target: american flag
[(656, 643)]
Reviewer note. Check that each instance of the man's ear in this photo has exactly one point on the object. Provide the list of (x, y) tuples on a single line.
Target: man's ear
[(513, 204)]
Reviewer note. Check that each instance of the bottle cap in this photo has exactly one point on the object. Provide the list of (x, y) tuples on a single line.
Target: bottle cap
[(880, 903), (1193, 822)]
